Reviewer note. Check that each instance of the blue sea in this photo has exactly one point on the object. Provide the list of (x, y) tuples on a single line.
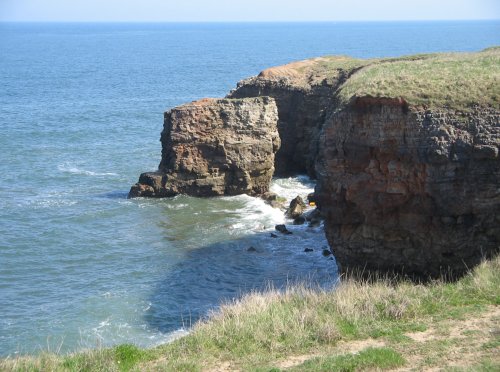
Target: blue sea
[(81, 111)]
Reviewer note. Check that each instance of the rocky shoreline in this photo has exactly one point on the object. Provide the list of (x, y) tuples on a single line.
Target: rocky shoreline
[(408, 177)]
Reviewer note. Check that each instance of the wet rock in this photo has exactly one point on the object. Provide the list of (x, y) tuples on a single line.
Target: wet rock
[(273, 235), (311, 198), (299, 220), (282, 229), (296, 208), (308, 250), (326, 252), (274, 200), (252, 249), (314, 217)]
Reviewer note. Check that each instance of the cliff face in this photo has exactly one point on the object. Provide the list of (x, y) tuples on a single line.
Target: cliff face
[(410, 190), (405, 150), (215, 147), (304, 92)]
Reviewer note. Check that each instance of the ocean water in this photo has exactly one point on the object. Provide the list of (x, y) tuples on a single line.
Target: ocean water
[(81, 111)]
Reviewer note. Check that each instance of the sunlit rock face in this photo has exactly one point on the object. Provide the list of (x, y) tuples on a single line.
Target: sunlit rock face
[(215, 147), (410, 190)]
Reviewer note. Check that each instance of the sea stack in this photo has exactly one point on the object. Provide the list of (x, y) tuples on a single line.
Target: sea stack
[(215, 147)]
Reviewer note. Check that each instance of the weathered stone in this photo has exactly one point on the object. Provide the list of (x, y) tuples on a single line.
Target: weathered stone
[(402, 187), (303, 96), (410, 190), (296, 208), (215, 147)]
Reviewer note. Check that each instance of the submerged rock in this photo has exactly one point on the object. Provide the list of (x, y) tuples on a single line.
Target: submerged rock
[(282, 229), (299, 220), (274, 200)]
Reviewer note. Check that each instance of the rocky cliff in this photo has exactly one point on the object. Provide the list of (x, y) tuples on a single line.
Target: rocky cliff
[(304, 92), (405, 189), (405, 150), (215, 147)]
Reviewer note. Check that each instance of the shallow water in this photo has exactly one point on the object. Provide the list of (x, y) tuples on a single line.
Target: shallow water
[(81, 111)]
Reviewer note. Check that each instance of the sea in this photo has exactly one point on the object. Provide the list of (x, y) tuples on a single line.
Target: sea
[(81, 111)]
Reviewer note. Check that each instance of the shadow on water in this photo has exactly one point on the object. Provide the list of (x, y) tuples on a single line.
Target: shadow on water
[(220, 272), (117, 194)]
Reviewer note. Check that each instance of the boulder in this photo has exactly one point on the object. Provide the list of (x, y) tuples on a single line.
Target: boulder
[(282, 229), (296, 208)]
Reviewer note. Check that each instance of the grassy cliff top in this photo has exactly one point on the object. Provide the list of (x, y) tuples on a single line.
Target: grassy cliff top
[(455, 80), (448, 80)]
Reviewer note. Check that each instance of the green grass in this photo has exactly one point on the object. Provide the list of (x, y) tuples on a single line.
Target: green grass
[(261, 329), (370, 358), (455, 80), (441, 80)]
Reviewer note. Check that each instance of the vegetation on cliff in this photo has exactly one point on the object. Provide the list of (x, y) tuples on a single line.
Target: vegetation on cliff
[(454, 80), (382, 324), (446, 80)]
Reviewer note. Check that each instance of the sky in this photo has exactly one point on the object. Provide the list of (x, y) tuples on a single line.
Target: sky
[(245, 10)]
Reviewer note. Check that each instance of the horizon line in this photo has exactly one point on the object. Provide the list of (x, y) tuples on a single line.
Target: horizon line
[(254, 21)]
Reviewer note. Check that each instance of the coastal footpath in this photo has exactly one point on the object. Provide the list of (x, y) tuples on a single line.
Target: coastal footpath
[(405, 152)]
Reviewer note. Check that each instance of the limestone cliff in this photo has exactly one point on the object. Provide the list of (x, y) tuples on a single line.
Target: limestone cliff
[(215, 147)]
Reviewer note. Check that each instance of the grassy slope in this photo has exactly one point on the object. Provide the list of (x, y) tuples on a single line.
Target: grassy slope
[(358, 326), (455, 80)]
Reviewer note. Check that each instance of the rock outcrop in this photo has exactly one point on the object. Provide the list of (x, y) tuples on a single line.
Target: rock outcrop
[(304, 92), (410, 190), (215, 147), (405, 150)]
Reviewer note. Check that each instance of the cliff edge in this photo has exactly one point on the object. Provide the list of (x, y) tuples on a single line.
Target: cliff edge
[(405, 151)]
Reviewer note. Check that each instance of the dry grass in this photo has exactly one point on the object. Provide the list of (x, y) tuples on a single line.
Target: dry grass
[(315, 327)]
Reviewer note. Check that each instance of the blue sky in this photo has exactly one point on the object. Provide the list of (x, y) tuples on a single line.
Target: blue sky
[(246, 10)]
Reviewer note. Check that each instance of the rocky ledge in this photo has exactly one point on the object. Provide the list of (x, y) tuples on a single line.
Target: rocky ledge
[(405, 151)]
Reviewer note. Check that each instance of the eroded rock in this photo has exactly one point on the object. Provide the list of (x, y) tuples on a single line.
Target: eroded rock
[(410, 190), (215, 147)]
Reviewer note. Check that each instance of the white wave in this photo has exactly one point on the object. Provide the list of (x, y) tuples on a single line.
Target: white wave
[(75, 170), (46, 202), (256, 215), (290, 187)]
